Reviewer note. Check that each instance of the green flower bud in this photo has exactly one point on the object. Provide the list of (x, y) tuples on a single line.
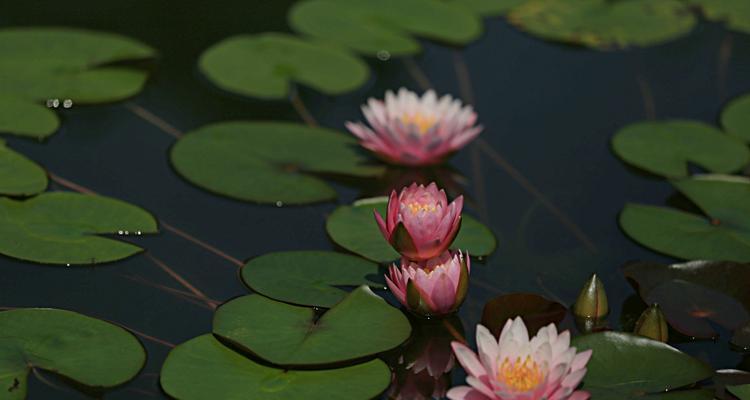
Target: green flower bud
[(652, 324), (592, 301)]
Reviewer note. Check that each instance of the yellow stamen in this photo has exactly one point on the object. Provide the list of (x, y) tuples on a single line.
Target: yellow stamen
[(417, 207), (422, 122), (520, 376)]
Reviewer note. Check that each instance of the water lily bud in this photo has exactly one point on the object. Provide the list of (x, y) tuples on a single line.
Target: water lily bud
[(592, 301), (652, 324), (406, 129), (435, 287), (419, 223)]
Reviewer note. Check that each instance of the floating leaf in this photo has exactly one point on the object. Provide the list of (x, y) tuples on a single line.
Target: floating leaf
[(604, 24), (61, 228), (386, 25), (264, 65), (202, 368), (40, 64), (625, 366), (741, 391), (735, 118), (362, 324), (354, 228), (488, 7), (19, 176), (723, 235), (735, 13), (666, 147), (267, 162), (693, 293), (309, 278), (536, 312), (85, 350)]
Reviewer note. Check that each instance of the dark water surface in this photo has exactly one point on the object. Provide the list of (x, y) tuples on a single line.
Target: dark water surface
[(548, 109)]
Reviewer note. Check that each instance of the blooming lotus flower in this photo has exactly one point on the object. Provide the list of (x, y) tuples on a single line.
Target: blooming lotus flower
[(434, 287), (516, 368), (409, 130), (419, 223)]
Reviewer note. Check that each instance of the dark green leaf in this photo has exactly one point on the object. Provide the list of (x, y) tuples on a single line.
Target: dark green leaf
[(735, 13), (735, 118), (741, 391), (488, 7), (19, 176), (26, 118)]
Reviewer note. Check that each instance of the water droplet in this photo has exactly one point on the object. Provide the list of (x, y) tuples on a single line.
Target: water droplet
[(67, 103), (67, 265), (279, 203), (120, 232), (127, 233), (138, 233), (384, 55)]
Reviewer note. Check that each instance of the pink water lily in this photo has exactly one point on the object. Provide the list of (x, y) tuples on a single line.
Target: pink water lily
[(408, 130), (516, 368), (419, 223), (434, 287)]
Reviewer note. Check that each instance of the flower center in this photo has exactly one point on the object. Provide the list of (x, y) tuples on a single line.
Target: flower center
[(520, 376), (422, 122), (417, 207)]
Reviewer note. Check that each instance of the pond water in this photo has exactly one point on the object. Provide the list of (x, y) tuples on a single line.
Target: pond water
[(548, 110)]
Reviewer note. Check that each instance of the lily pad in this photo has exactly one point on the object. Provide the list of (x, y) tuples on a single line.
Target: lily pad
[(19, 176), (666, 147), (625, 366), (268, 162), (264, 65), (735, 13), (741, 391), (604, 24), (735, 118), (202, 368), (372, 27), (723, 234), (61, 228), (693, 293), (361, 325), (88, 351), (354, 228), (536, 312), (62, 63), (309, 278), (488, 8)]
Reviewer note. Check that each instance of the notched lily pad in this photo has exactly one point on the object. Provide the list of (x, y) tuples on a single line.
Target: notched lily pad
[(203, 368), (386, 25), (625, 366), (536, 312), (354, 228), (19, 176), (62, 63), (722, 234), (88, 351), (61, 228), (604, 24), (361, 325), (666, 147), (310, 278), (264, 65), (735, 13), (735, 118), (268, 162)]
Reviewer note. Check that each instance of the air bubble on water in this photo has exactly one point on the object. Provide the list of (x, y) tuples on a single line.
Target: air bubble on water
[(480, 258), (279, 203), (120, 232), (138, 233), (127, 233), (384, 55), (67, 103), (67, 265)]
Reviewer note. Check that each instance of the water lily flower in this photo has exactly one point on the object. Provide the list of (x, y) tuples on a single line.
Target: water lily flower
[(419, 223), (408, 130), (516, 368), (435, 287)]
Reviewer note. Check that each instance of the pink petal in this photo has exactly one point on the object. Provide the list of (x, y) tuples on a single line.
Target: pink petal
[(443, 294), (580, 360), (465, 393), (381, 225), (574, 378), (468, 359), (579, 395)]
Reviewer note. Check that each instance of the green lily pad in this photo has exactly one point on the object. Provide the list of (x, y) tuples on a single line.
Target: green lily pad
[(735, 118), (724, 234), (62, 63), (387, 25), (354, 228), (488, 8), (666, 147), (61, 228), (361, 325), (264, 65), (309, 278), (625, 366), (735, 13), (85, 350), (202, 368), (268, 162), (604, 24), (741, 391), (19, 176)]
